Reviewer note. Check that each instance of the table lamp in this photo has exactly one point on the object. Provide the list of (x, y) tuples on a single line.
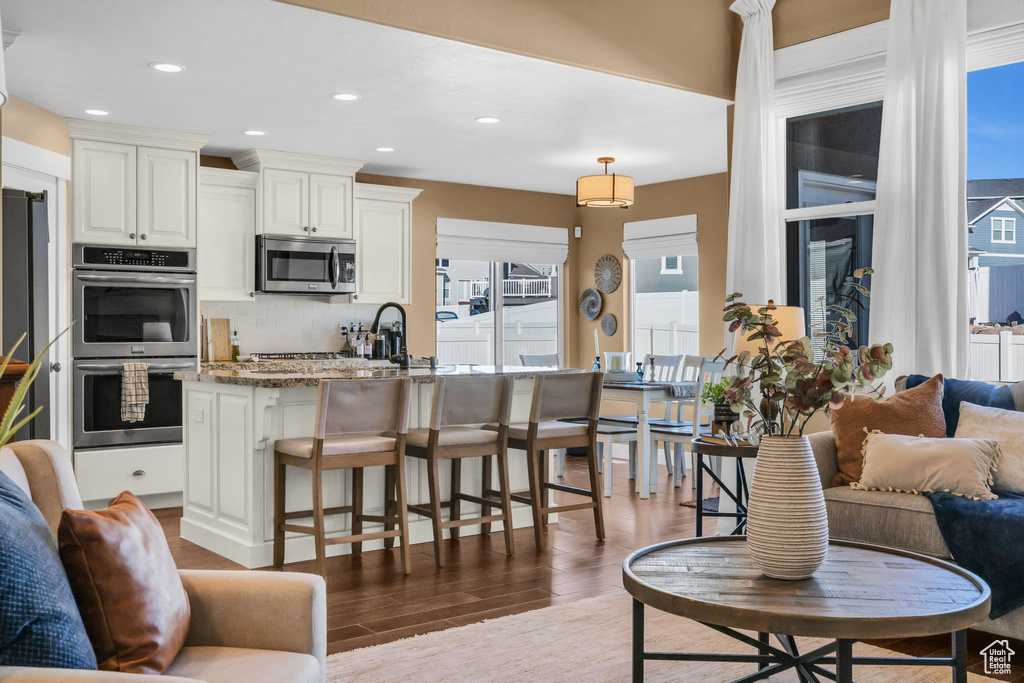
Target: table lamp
[(789, 320)]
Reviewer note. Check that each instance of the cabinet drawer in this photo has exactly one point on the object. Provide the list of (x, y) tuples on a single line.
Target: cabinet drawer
[(102, 474)]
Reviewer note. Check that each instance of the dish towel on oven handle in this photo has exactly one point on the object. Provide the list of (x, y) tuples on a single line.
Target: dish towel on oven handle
[(134, 391)]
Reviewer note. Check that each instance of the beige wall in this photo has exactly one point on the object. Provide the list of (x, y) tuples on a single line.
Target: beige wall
[(34, 125), (688, 44), (797, 21)]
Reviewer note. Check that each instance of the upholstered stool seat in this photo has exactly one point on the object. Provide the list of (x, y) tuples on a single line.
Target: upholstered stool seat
[(453, 435), (545, 430), (336, 445)]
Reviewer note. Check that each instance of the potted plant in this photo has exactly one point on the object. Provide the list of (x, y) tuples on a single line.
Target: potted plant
[(10, 424), (777, 390), (714, 393)]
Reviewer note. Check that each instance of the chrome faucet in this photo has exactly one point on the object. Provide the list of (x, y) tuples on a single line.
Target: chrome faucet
[(402, 354)]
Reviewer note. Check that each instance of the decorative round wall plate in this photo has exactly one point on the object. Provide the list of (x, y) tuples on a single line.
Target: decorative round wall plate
[(608, 324), (590, 303), (608, 274)]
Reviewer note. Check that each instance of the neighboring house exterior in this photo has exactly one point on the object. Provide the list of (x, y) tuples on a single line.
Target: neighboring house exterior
[(995, 219)]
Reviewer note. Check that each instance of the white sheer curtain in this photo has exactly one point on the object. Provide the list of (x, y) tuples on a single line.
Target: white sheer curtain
[(755, 264), (919, 292)]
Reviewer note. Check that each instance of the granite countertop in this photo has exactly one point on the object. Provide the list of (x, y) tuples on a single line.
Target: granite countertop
[(308, 374)]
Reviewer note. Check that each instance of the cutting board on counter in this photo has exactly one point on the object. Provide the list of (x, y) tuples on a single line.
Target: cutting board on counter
[(220, 338)]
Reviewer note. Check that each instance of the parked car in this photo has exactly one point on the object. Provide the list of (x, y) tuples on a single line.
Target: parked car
[(441, 316)]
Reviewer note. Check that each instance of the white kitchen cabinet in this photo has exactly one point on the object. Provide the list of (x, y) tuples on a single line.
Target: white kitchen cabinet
[(167, 197), (132, 185), (227, 235), (103, 191), (303, 195), (383, 234)]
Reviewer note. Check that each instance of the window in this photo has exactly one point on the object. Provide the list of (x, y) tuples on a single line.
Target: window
[(831, 172), (1004, 230), (442, 262), (671, 265), (526, 296)]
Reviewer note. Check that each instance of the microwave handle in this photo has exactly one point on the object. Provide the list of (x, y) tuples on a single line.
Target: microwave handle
[(335, 266), (143, 279), (104, 367)]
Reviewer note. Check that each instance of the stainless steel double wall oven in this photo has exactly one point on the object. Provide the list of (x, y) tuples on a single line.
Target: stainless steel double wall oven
[(131, 305)]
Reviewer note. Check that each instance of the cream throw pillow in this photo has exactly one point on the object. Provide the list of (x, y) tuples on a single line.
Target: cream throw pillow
[(917, 464), (1006, 427)]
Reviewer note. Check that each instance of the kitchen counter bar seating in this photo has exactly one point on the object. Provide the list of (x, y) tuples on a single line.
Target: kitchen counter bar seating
[(458, 403), (359, 423)]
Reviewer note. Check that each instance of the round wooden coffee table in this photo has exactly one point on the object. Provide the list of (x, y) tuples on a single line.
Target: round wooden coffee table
[(862, 591)]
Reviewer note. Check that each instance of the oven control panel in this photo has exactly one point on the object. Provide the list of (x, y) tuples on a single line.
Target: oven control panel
[(134, 259)]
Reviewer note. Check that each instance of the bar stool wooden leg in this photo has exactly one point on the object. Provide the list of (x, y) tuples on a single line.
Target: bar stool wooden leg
[(318, 522), (485, 488), (535, 497), (403, 515), (542, 469), (433, 481), (506, 501), (595, 487), (390, 507), (279, 498), (456, 504), (357, 508)]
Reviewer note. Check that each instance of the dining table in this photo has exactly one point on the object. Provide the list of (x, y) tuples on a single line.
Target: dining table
[(642, 395)]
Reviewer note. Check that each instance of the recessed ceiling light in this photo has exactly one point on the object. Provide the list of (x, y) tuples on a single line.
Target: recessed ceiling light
[(385, 149), (345, 97), (255, 132), (167, 68), (488, 119), (97, 112)]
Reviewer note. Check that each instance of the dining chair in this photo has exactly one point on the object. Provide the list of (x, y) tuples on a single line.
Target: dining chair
[(556, 397), (540, 360), (461, 404), (359, 424)]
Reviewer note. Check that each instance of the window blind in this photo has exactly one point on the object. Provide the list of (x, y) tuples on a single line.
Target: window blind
[(675, 236), (487, 241)]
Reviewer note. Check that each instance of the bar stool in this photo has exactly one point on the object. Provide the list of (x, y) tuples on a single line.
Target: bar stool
[(556, 397), (359, 423), (460, 402)]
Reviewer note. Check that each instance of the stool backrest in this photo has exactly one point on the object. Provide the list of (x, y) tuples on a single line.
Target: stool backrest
[(471, 400), (556, 397), (539, 360), (362, 405), (666, 368)]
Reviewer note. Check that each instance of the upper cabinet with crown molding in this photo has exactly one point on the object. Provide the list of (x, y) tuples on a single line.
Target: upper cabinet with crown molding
[(133, 186), (303, 195)]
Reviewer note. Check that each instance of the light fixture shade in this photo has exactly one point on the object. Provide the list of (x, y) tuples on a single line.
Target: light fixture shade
[(789, 320), (607, 189)]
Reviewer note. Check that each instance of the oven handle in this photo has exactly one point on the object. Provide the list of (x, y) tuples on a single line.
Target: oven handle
[(144, 279), (103, 367)]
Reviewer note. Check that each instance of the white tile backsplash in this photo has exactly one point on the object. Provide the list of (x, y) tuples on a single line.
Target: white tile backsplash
[(282, 324)]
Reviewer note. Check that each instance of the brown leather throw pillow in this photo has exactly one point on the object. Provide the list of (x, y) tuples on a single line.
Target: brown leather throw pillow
[(135, 609), (914, 412)]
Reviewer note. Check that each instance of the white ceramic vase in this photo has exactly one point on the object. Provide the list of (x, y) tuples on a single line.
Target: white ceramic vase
[(787, 527)]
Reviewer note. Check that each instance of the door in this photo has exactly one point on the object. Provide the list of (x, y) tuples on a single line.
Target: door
[(103, 192), (227, 243), (330, 205), (167, 197), (383, 246), (285, 202)]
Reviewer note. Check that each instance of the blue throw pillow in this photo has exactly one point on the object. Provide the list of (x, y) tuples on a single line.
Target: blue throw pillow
[(39, 620), (956, 390)]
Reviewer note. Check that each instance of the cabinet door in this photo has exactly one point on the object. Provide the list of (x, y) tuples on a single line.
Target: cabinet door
[(227, 243), (330, 205), (383, 246), (103, 190), (167, 197), (285, 202)]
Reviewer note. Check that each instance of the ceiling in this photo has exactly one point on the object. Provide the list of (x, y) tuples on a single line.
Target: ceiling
[(263, 65)]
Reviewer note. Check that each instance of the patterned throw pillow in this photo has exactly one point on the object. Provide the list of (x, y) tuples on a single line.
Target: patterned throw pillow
[(1006, 427), (39, 622)]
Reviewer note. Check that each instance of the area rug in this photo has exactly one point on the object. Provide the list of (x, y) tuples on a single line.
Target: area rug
[(587, 640), (710, 504)]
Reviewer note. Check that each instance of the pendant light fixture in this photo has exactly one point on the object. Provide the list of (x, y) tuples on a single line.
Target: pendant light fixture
[(607, 189)]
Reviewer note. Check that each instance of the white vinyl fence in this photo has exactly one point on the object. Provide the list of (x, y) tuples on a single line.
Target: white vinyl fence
[(997, 357), (665, 322), (529, 329)]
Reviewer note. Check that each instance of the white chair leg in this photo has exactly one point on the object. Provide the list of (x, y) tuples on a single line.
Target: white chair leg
[(653, 473), (668, 456), (560, 458), (632, 460), (694, 471), (680, 465), (606, 446)]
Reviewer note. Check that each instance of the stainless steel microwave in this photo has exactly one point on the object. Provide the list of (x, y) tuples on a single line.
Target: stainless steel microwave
[(304, 265)]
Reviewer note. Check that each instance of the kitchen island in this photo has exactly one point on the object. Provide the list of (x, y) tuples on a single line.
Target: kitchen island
[(232, 415)]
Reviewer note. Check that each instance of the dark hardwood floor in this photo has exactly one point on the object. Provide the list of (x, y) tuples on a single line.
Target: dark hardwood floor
[(370, 601)]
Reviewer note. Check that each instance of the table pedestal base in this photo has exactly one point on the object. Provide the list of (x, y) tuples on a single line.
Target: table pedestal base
[(772, 660)]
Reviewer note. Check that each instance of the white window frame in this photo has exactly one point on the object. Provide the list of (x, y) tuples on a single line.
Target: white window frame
[(678, 270), (1003, 222)]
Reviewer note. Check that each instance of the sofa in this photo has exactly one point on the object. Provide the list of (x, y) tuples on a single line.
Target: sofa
[(898, 520), (253, 627)]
